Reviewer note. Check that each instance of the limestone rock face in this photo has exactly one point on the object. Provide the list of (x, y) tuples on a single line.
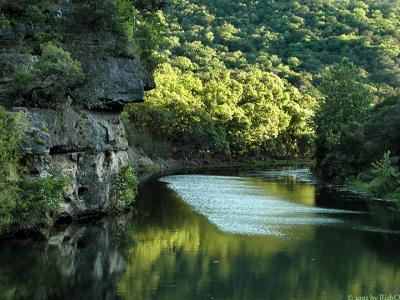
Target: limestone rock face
[(111, 81), (114, 82), (88, 143), (88, 147)]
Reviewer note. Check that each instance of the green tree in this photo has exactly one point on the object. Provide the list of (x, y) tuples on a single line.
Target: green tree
[(346, 104), (49, 80), (382, 129)]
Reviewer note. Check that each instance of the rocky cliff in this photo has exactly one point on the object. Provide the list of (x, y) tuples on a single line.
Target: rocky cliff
[(88, 147), (84, 141)]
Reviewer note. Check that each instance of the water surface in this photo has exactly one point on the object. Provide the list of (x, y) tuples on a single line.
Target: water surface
[(258, 235)]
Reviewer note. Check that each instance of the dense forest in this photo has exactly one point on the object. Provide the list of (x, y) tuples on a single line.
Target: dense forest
[(235, 80), (260, 79)]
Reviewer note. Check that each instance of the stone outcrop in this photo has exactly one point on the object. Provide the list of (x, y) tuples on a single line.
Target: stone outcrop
[(114, 82), (111, 81), (88, 147), (85, 142)]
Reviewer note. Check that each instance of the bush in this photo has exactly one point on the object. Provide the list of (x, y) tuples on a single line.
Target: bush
[(23, 202), (395, 195), (48, 81), (125, 187), (11, 132), (39, 198), (381, 180), (4, 21), (386, 179), (12, 128), (30, 202), (7, 205)]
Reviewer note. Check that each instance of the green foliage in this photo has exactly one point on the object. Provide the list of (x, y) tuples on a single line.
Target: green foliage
[(351, 134), (31, 202), (49, 80), (395, 195), (237, 77), (41, 16), (95, 14), (148, 36), (347, 99), (386, 179), (23, 202), (223, 111), (381, 129), (316, 33), (4, 22), (381, 180), (38, 198), (383, 168), (138, 25), (12, 127), (234, 69), (125, 187), (338, 119)]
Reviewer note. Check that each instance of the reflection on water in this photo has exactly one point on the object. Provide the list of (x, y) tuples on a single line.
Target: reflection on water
[(177, 253), (251, 206)]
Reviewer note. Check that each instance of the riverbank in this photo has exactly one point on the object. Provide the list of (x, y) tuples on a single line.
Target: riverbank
[(163, 167), (363, 188), (156, 167), (151, 168)]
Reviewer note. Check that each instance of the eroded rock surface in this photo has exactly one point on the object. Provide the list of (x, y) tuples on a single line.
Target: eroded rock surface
[(112, 81), (85, 139), (88, 147)]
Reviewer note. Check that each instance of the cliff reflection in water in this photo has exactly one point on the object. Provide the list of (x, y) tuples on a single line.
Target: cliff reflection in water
[(175, 253), (80, 262)]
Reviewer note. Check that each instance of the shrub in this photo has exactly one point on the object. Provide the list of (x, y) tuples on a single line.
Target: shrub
[(4, 21), (395, 195), (30, 202), (386, 179), (125, 187), (12, 127), (48, 81), (7, 205), (38, 199), (11, 132), (23, 202), (381, 180)]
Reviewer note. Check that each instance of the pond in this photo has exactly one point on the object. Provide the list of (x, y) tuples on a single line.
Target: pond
[(276, 234)]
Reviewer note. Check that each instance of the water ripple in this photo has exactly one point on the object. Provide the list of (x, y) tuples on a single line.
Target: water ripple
[(236, 206)]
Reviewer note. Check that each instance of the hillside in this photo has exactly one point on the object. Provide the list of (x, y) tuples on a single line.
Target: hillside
[(280, 79)]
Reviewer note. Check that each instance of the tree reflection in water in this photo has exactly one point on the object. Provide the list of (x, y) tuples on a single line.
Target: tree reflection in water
[(174, 253)]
